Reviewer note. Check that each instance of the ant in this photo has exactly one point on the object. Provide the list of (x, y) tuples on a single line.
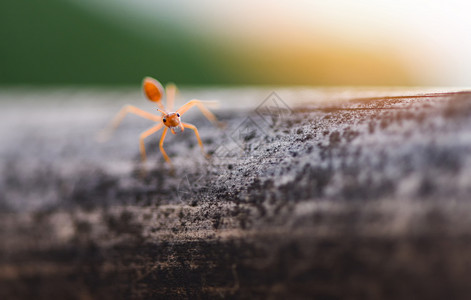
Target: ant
[(154, 91)]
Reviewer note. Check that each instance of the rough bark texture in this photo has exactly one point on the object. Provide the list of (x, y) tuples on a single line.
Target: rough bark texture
[(360, 198)]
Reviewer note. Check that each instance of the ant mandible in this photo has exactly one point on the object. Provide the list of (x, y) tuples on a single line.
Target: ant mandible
[(154, 91)]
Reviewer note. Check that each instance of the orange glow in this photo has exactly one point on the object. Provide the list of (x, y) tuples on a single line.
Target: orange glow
[(336, 42)]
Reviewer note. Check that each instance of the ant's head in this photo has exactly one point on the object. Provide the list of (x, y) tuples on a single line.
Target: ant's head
[(172, 121)]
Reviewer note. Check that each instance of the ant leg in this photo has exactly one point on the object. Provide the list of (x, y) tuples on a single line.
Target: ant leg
[(161, 145), (145, 134), (171, 91), (106, 133), (198, 103), (193, 127)]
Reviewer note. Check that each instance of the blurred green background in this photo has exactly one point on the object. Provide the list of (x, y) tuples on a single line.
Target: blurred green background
[(56, 42), (71, 42)]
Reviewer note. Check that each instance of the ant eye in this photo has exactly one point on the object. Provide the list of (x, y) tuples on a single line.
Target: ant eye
[(164, 120), (178, 115)]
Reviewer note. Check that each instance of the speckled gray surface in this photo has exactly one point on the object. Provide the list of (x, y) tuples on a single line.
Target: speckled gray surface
[(334, 195)]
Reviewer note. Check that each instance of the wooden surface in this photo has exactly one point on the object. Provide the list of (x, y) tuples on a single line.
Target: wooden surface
[(307, 194)]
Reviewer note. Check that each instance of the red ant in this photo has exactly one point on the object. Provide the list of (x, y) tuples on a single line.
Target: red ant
[(154, 91)]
